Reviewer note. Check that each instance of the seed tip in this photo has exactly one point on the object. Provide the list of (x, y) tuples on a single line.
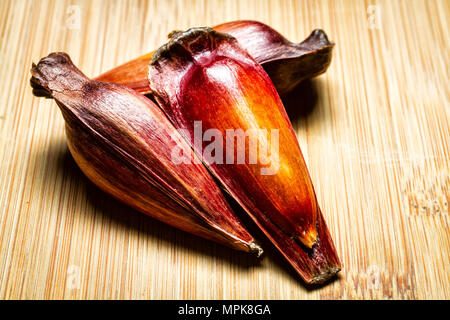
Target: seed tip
[(255, 248), (325, 276)]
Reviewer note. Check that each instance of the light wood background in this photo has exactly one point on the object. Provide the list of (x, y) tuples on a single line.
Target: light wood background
[(376, 141)]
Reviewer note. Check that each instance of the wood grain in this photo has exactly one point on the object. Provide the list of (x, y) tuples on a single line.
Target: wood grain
[(374, 130)]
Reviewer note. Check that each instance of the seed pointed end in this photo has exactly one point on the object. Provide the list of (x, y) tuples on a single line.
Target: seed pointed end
[(255, 248), (325, 276)]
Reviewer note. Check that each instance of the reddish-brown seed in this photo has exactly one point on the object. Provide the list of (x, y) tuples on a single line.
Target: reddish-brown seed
[(123, 142), (204, 76)]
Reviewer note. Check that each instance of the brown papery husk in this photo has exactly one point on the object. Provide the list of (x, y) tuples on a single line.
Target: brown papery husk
[(122, 142), (203, 75), (286, 62)]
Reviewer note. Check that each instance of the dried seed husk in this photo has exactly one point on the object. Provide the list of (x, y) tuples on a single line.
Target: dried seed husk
[(122, 142), (287, 63), (203, 75)]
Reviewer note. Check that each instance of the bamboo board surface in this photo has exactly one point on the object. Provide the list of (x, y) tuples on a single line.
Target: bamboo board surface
[(374, 131)]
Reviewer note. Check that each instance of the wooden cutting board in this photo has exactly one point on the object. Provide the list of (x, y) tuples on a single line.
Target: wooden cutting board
[(374, 130)]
